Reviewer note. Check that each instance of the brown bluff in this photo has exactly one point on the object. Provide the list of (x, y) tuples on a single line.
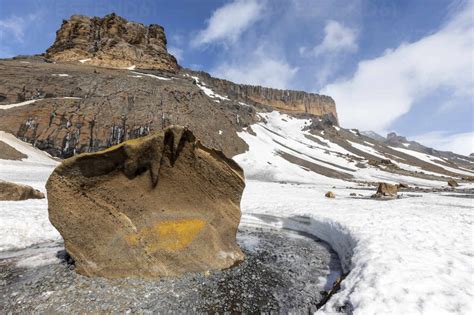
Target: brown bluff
[(160, 205), (112, 42)]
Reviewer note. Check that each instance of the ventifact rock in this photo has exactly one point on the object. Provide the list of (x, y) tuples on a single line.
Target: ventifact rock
[(15, 192), (386, 190), (112, 42), (160, 205)]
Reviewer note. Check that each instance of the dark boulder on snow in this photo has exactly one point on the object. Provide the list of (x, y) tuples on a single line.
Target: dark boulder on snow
[(330, 194), (453, 183), (386, 190)]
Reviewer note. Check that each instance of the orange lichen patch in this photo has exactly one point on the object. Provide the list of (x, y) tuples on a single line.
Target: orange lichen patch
[(132, 239), (170, 235)]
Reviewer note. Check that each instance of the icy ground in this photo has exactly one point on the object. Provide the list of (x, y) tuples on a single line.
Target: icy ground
[(411, 255), (24, 223), (404, 256)]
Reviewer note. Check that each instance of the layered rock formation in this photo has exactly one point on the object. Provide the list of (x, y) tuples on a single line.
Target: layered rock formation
[(283, 100), (160, 205), (15, 192), (67, 108), (113, 42), (89, 109)]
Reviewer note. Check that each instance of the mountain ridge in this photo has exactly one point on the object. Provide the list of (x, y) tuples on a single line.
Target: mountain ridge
[(70, 107)]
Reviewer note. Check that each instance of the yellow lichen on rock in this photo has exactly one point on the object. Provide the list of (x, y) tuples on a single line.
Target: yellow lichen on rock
[(171, 235)]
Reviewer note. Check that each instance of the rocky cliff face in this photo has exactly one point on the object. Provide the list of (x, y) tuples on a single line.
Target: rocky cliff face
[(113, 42), (282, 100), (69, 107)]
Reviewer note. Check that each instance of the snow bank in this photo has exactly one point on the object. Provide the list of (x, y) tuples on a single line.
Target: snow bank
[(8, 106), (432, 160), (405, 256), (140, 74), (25, 222), (207, 90), (411, 255)]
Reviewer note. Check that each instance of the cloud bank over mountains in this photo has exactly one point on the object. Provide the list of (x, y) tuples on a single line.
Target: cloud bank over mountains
[(385, 88), (379, 91)]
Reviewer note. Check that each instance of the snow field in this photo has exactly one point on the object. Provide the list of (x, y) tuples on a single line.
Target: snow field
[(25, 222), (405, 256)]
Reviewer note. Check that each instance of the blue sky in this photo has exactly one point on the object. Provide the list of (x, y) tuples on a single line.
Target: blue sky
[(404, 66)]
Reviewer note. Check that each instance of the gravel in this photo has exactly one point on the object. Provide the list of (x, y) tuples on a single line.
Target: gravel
[(284, 271)]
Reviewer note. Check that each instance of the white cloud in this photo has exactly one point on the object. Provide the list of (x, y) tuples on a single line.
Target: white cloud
[(177, 52), (258, 69), (337, 38), (13, 31), (385, 88), (14, 27), (461, 143), (228, 22)]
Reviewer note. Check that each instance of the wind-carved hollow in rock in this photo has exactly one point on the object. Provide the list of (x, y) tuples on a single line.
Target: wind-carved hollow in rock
[(160, 205)]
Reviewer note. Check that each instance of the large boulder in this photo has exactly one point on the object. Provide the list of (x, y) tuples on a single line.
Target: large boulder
[(330, 194), (453, 183), (386, 190), (160, 205), (14, 192)]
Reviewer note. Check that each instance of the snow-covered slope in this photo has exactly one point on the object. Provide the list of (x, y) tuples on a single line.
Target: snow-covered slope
[(284, 148), (412, 255), (24, 223)]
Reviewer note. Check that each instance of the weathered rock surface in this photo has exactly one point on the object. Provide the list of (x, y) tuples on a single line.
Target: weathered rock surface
[(14, 192), (8, 152), (113, 42), (283, 100), (330, 194), (160, 205), (81, 108), (452, 183), (386, 190), (93, 108)]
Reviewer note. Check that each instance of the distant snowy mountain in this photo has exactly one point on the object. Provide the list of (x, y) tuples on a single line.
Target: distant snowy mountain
[(373, 135)]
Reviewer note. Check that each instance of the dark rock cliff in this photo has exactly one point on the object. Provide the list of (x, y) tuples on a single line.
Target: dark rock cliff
[(283, 100), (78, 108)]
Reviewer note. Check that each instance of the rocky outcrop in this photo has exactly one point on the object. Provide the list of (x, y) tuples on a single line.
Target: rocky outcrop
[(452, 183), (283, 100), (330, 194), (113, 42), (10, 153), (90, 109), (160, 205), (386, 190), (15, 192)]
